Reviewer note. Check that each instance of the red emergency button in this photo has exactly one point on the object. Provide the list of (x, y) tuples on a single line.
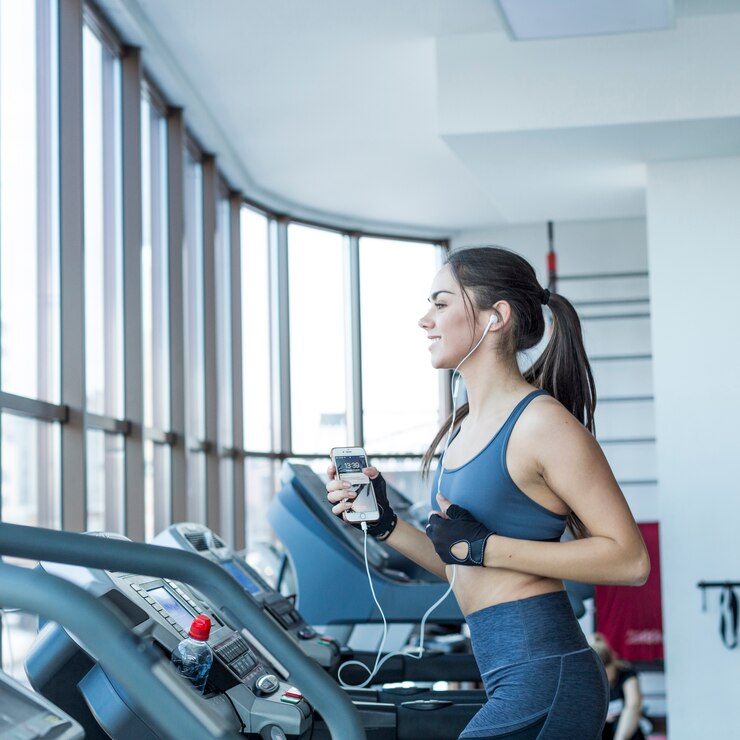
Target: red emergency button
[(293, 693)]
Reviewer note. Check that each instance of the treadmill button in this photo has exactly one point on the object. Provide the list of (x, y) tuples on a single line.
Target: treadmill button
[(267, 684)]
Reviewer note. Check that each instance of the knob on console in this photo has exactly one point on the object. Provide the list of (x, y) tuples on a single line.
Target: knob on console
[(267, 684)]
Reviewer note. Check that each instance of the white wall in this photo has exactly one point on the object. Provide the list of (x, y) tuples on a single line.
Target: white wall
[(597, 247), (694, 257)]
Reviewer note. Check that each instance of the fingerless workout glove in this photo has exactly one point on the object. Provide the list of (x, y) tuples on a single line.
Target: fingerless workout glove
[(459, 526), (381, 529)]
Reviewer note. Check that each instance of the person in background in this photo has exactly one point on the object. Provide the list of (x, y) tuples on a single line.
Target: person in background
[(625, 698)]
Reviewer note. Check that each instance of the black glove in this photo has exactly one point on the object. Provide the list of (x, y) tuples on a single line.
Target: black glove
[(381, 529), (460, 526)]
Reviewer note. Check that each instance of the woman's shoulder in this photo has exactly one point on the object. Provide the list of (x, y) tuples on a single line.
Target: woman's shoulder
[(546, 424), (544, 412)]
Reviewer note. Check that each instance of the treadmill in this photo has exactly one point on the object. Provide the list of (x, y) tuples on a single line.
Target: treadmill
[(159, 695), (325, 650), (256, 672), (259, 679)]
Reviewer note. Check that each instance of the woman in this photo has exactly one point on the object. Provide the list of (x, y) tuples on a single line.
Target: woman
[(522, 463), (625, 699)]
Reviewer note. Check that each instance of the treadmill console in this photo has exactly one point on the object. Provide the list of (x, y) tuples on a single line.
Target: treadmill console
[(198, 538), (162, 610)]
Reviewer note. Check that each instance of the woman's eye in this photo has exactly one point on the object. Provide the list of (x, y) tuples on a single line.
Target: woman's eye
[(439, 305)]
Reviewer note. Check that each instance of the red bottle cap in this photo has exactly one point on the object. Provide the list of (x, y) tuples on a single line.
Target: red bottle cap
[(200, 628)]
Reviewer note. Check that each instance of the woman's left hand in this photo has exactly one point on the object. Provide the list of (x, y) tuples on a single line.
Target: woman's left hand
[(458, 537)]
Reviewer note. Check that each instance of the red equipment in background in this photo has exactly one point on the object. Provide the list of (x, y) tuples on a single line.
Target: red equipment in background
[(631, 618)]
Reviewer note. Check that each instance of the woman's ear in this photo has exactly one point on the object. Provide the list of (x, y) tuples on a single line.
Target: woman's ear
[(502, 310)]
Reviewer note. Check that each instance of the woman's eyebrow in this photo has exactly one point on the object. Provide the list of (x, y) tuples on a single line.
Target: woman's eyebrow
[(434, 295)]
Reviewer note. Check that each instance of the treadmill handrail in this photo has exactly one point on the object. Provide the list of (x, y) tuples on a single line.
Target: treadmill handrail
[(37, 543), (166, 701)]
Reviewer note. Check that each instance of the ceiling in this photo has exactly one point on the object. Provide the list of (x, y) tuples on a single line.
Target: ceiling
[(425, 117)]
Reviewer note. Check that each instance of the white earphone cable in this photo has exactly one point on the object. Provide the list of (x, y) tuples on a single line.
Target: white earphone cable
[(454, 385)]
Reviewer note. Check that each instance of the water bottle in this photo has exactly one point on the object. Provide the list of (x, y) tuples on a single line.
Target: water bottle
[(193, 657)]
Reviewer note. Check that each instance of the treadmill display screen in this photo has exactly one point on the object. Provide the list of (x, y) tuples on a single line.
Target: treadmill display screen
[(240, 576), (172, 606)]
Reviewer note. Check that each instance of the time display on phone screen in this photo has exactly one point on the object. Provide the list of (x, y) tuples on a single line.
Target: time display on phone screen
[(348, 464)]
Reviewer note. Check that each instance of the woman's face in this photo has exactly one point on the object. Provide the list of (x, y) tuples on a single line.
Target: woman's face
[(446, 323)]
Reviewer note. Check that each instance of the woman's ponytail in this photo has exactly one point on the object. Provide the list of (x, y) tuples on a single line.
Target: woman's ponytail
[(563, 369)]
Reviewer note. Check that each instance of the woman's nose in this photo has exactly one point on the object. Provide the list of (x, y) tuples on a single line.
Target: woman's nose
[(424, 321)]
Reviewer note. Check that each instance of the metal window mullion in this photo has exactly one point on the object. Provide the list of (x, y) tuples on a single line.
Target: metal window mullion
[(72, 266), (210, 196), (134, 502), (354, 356), (176, 234), (46, 369), (280, 308), (237, 373), (115, 515), (159, 340)]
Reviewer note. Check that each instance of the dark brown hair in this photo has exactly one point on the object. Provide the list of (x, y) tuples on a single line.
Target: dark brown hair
[(487, 275)]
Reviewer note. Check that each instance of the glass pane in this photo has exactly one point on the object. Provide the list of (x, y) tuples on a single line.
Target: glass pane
[(226, 478), (105, 456), (196, 500), (31, 495), (29, 255), (30, 472), (194, 346), (400, 389), (157, 484), (103, 244), (318, 379), (262, 476), (154, 268), (155, 317), (255, 261)]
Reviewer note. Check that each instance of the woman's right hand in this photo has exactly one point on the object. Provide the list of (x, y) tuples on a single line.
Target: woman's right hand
[(339, 493)]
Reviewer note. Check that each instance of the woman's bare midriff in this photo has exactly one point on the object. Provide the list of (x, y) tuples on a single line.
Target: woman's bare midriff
[(476, 587)]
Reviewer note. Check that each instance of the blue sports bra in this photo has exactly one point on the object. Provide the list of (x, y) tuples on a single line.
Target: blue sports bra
[(484, 487)]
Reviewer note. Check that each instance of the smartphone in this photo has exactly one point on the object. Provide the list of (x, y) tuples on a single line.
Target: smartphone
[(349, 462)]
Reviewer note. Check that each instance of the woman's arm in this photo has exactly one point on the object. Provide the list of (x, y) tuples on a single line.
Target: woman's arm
[(405, 538), (629, 720), (569, 461)]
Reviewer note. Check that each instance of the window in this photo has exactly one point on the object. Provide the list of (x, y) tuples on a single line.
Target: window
[(29, 248), (256, 331), (193, 301), (155, 315), (103, 278), (319, 321), (103, 243), (400, 398)]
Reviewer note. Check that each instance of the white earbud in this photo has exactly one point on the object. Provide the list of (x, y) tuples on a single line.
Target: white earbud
[(492, 319)]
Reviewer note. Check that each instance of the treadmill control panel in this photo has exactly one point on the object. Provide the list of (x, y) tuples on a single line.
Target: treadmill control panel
[(177, 606)]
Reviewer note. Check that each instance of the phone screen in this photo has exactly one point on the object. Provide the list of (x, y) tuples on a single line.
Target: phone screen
[(349, 468)]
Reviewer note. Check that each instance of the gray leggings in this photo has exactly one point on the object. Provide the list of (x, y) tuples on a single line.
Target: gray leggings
[(542, 679)]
